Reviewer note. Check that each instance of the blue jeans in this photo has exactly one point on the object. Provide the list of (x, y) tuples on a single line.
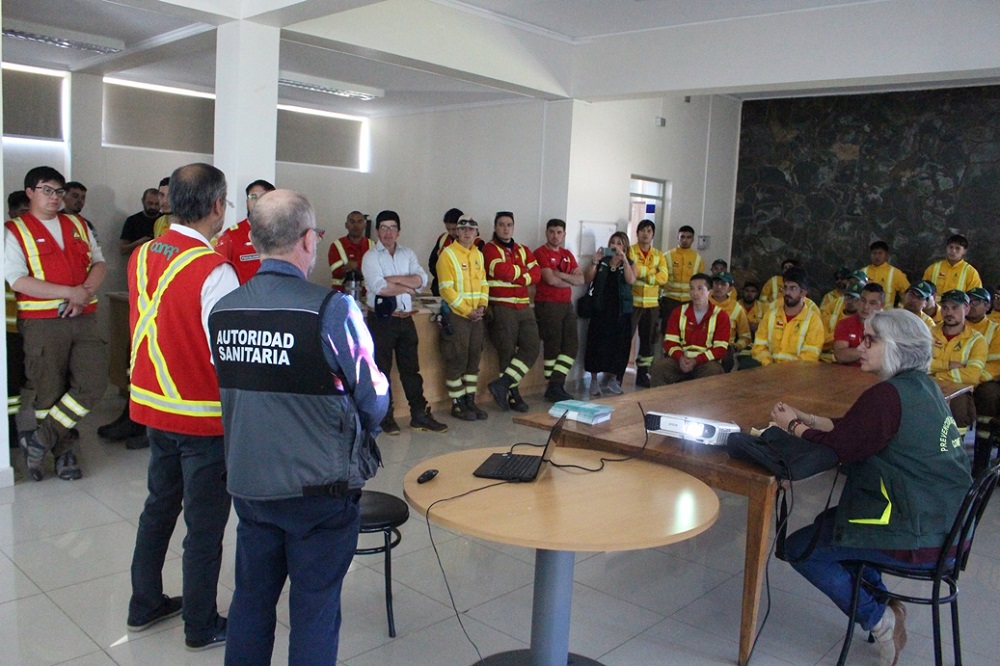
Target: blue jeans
[(188, 471), (824, 570), (310, 540)]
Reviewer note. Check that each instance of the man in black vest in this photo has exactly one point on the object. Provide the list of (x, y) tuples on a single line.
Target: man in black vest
[(301, 394)]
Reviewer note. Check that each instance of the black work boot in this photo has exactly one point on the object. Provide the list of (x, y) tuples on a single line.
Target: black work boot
[(642, 376), (498, 389), (460, 410), (470, 404), (515, 401), (557, 392)]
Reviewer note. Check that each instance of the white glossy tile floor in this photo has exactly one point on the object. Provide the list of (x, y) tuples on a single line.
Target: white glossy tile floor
[(65, 549)]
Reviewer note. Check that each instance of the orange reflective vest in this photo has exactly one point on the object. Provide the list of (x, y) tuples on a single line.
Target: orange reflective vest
[(173, 383)]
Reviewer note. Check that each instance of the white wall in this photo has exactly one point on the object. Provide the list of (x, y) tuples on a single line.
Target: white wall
[(614, 140), (480, 160)]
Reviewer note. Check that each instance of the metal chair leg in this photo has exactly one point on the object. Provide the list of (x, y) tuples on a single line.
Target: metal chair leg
[(851, 617), (388, 583)]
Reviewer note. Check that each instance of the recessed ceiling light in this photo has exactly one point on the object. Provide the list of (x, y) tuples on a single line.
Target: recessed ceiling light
[(61, 42), (328, 86)]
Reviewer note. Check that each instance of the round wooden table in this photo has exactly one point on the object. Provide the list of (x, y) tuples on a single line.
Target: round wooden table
[(628, 505)]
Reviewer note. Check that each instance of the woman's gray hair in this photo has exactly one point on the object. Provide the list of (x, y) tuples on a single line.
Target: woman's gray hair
[(906, 340)]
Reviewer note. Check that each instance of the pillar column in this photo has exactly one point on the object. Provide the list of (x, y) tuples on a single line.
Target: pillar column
[(246, 114)]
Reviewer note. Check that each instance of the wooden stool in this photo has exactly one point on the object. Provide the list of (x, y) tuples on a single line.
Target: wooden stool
[(381, 512)]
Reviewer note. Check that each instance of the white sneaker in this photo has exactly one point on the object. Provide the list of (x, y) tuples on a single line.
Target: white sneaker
[(614, 386), (595, 389)]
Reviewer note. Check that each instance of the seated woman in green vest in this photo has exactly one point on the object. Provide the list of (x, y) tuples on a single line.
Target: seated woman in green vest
[(906, 476)]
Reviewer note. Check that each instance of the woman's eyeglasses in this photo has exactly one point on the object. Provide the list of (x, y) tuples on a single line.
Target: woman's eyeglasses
[(868, 340)]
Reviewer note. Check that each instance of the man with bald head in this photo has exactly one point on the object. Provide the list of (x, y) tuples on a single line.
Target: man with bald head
[(302, 398)]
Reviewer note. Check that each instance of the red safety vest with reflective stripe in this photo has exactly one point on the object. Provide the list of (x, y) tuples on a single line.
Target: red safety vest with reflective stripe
[(173, 382), (510, 272), (342, 251), (68, 266), (707, 341)]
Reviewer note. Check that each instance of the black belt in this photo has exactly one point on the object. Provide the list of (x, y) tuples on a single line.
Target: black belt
[(338, 489)]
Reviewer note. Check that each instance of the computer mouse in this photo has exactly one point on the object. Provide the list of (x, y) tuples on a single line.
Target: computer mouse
[(427, 475)]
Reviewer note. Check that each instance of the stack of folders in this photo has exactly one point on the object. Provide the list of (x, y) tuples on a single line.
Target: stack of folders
[(582, 411)]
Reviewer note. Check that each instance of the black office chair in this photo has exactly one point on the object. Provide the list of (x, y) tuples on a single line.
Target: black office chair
[(945, 573), (381, 512)]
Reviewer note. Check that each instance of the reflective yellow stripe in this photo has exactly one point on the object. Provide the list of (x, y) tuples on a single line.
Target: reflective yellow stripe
[(63, 418), (33, 259), (39, 305), (201, 408), (70, 402), (342, 254), (512, 300), (884, 518)]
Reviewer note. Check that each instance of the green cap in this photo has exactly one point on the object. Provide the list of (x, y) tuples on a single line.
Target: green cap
[(725, 277), (923, 288), (979, 293), (955, 296), (860, 276), (854, 290)]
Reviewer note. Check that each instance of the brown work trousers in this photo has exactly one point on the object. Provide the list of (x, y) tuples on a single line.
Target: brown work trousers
[(668, 371), (66, 365)]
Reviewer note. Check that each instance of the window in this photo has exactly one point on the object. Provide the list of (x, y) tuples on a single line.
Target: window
[(162, 118), (325, 139), (33, 103)]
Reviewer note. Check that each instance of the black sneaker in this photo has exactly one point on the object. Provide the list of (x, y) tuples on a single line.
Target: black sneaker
[(67, 467), (389, 425), (498, 389), (215, 640), (516, 402), (171, 607), (34, 453), (427, 423), (470, 404), (460, 411)]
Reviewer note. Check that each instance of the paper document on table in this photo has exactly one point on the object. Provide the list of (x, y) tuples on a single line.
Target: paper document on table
[(582, 411)]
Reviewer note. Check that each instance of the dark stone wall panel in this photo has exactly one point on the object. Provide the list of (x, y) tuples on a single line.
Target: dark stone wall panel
[(821, 178)]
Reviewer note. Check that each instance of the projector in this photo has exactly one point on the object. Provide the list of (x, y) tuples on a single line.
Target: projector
[(690, 428)]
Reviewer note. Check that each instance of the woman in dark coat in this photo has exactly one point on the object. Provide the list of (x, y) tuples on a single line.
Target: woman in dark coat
[(609, 334)]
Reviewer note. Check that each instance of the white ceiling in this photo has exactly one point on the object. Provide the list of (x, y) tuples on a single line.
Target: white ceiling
[(170, 44)]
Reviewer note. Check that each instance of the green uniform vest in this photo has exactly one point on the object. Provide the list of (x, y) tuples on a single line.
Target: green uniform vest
[(907, 496)]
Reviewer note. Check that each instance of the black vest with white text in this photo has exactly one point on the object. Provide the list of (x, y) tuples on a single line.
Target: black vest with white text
[(288, 423)]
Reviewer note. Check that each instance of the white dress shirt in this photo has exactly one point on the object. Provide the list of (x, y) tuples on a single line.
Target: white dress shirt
[(378, 264)]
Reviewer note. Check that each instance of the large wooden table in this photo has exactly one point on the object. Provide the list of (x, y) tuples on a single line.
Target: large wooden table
[(744, 398), (626, 506)]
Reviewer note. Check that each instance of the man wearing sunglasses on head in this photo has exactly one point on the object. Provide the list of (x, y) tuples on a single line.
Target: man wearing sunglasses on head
[(54, 265)]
